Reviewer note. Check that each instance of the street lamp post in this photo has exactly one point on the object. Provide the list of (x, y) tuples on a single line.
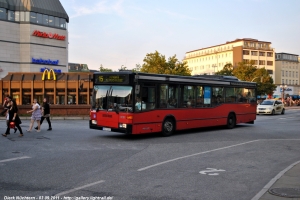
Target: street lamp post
[(283, 88)]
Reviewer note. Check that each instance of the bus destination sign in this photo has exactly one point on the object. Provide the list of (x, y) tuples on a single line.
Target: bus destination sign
[(115, 79)]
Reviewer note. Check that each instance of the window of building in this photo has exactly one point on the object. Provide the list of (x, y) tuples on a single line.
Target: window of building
[(296, 74), (11, 15), (245, 52), (269, 54), (282, 81), (60, 99), (255, 62), (262, 53), (289, 73), (253, 53), (286, 81), (293, 82), (27, 16), (270, 71), (33, 18), (62, 23), (22, 16), (290, 82), (2, 13), (293, 74), (286, 73), (269, 62), (39, 18), (45, 20), (262, 62), (282, 73), (296, 82), (17, 16)]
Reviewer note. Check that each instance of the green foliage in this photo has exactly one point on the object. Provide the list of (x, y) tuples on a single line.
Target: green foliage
[(102, 69), (264, 82), (227, 70), (157, 63), (137, 68), (248, 72), (244, 71)]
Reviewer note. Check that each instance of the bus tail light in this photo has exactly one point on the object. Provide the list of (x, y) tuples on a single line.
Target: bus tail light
[(129, 117)]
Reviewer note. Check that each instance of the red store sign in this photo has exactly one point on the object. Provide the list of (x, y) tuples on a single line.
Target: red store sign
[(48, 35)]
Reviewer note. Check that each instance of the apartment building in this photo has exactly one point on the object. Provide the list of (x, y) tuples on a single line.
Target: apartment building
[(287, 68), (210, 60)]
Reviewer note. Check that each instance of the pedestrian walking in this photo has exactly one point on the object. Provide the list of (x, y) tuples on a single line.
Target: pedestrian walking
[(35, 116), (5, 106), (45, 114), (13, 117)]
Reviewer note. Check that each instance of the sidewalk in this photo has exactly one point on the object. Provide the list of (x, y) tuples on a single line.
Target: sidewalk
[(286, 185), (57, 118)]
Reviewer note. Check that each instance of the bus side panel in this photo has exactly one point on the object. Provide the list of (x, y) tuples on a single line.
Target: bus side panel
[(146, 128)]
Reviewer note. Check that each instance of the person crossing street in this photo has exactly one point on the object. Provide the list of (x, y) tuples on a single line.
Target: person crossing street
[(45, 114)]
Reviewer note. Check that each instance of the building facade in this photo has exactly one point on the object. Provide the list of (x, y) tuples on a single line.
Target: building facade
[(77, 67), (68, 93), (33, 36), (287, 69), (210, 60)]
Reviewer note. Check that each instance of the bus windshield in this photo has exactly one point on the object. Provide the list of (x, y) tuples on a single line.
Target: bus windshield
[(107, 97)]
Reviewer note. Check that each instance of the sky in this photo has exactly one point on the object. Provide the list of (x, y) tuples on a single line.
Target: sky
[(119, 33)]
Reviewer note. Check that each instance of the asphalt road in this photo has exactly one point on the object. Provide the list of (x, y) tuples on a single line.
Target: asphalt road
[(214, 163)]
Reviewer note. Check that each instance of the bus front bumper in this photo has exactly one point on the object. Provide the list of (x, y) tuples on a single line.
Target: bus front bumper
[(127, 130)]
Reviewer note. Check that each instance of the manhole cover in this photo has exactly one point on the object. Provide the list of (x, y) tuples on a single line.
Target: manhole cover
[(285, 192)]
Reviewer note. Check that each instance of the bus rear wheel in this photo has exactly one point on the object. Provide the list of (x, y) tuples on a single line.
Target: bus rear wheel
[(231, 121), (168, 127)]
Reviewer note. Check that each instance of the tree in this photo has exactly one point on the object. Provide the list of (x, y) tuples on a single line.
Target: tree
[(123, 68), (264, 82), (227, 70), (244, 71), (137, 68), (156, 63), (102, 69), (248, 72)]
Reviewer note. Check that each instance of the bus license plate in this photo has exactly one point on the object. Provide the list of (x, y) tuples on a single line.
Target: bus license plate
[(106, 129)]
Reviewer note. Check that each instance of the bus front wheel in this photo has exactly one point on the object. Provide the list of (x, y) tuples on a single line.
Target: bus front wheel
[(231, 121), (168, 127)]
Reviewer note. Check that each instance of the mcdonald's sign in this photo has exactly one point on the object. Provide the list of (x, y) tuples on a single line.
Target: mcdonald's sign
[(48, 72)]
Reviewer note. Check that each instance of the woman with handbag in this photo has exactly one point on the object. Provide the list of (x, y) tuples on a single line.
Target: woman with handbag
[(13, 117)]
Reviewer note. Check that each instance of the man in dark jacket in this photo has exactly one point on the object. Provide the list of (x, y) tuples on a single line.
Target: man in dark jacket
[(46, 114)]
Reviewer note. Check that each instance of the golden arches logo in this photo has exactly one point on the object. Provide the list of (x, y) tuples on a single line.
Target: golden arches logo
[(48, 72)]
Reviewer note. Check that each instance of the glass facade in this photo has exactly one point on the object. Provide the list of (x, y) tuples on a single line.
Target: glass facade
[(32, 17), (2, 13)]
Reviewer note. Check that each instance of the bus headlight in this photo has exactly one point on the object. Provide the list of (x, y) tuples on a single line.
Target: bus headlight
[(94, 121), (122, 125)]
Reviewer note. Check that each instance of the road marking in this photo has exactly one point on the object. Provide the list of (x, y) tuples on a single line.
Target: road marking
[(12, 159), (209, 170), (196, 154), (79, 188), (267, 187)]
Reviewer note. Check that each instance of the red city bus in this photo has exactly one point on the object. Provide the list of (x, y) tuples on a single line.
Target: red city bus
[(139, 103)]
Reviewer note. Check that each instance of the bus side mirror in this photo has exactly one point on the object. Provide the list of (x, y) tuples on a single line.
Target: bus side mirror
[(137, 89)]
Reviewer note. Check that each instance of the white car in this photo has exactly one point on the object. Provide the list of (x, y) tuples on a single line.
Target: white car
[(270, 106)]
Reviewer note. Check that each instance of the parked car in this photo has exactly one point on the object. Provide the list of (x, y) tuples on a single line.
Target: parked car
[(270, 106)]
